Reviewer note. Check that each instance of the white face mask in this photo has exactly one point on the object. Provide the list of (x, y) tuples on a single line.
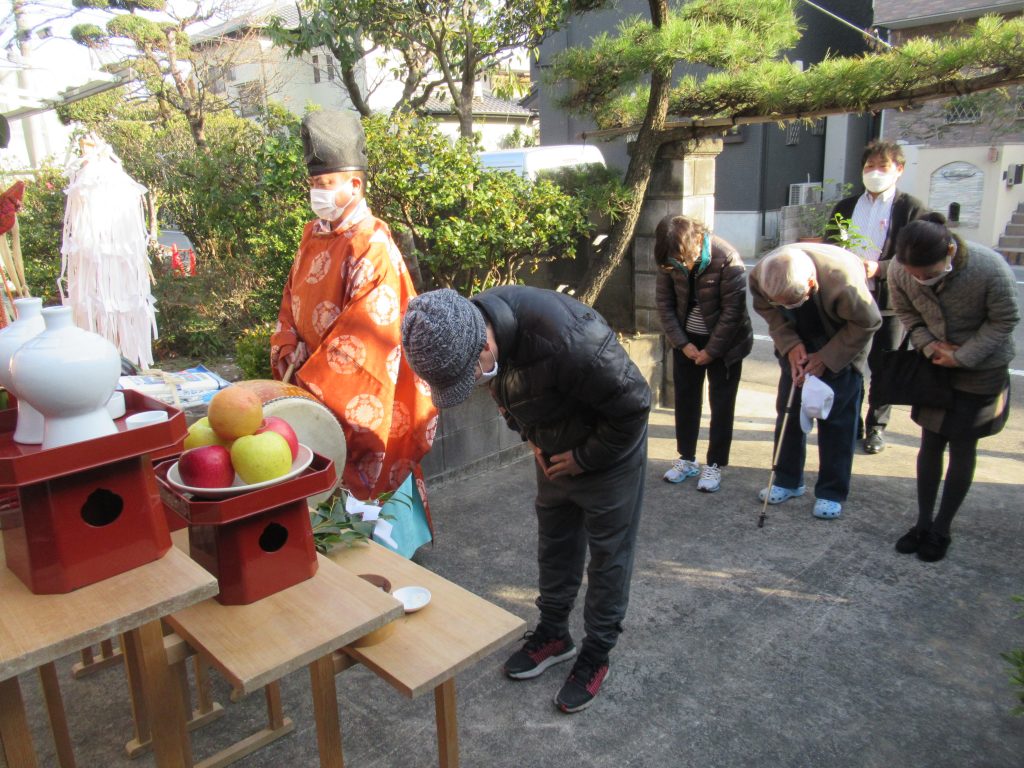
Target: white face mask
[(322, 203), (937, 278), (486, 376), (877, 182)]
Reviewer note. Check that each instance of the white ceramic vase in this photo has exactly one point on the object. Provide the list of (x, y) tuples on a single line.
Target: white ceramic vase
[(68, 374), (28, 324)]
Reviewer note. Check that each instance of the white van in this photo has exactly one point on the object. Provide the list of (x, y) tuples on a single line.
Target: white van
[(527, 162)]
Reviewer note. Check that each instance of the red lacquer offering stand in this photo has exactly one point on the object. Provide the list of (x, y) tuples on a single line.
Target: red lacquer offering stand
[(90, 510), (258, 542)]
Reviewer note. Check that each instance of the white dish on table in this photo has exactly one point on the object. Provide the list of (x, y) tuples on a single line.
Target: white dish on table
[(302, 460), (413, 598)]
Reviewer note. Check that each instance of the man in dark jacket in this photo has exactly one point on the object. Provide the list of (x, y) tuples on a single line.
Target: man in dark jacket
[(877, 217), (562, 380)]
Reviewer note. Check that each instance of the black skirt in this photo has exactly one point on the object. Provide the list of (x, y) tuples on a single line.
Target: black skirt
[(971, 417)]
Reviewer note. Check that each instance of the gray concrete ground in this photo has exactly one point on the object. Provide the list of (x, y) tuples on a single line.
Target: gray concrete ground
[(805, 643)]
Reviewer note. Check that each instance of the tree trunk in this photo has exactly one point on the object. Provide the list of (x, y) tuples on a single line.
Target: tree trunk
[(638, 174)]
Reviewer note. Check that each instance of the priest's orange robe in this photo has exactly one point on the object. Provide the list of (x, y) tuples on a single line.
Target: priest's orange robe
[(345, 299)]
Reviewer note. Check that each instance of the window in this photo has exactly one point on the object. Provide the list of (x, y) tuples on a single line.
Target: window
[(1020, 103), (330, 68), (962, 110), (793, 134), (250, 98), (316, 69)]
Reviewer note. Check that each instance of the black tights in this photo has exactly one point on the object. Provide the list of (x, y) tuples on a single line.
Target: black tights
[(962, 458)]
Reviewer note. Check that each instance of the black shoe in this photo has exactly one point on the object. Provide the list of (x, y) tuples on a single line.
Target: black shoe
[(582, 685), (933, 547), (541, 650), (874, 443), (908, 543)]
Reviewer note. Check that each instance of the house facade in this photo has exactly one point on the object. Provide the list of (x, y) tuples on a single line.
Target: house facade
[(965, 155), (247, 69)]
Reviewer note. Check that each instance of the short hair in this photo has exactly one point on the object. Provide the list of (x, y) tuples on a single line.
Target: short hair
[(925, 241), (890, 150), (785, 273)]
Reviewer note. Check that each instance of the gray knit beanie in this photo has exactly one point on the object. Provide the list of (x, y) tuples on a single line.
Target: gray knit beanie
[(443, 335)]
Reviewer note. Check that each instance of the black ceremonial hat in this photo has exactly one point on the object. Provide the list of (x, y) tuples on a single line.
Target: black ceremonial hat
[(333, 141)]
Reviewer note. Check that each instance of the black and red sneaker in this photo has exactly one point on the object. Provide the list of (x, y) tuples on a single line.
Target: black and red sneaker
[(541, 650), (582, 685)]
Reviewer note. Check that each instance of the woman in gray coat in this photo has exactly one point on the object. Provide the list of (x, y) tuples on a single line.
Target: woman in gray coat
[(701, 296), (958, 302)]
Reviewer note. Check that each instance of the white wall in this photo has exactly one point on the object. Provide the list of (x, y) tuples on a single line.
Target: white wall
[(741, 228)]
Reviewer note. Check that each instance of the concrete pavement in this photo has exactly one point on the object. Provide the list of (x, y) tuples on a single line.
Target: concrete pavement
[(805, 643)]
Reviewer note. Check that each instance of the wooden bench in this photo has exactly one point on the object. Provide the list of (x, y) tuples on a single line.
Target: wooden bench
[(426, 649)]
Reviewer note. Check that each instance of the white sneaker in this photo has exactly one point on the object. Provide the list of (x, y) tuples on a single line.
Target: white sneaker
[(682, 469), (710, 479)]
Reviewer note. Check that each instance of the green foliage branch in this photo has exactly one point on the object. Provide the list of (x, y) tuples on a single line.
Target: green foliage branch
[(471, 228), (1016, 660), (993, 50)]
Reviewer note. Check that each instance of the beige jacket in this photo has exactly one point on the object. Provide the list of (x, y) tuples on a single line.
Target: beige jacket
[(845, 303)]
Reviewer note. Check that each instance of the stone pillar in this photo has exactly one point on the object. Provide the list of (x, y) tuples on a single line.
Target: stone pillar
[(682, 183)]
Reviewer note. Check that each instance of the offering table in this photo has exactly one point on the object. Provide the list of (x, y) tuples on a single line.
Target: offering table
[(426, 649), (257, 644), (35, 630)]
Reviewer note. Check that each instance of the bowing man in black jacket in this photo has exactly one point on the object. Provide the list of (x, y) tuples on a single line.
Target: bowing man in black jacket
[(564, 383), (877, 215)]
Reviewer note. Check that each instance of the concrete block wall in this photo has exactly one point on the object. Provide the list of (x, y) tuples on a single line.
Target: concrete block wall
[(682, 183), (472, 437)]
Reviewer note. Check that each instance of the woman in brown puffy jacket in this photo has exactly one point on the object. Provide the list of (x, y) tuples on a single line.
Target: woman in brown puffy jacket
[(702, 305)]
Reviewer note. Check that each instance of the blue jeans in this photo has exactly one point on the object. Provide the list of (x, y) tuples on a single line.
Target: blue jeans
[(836, 435)]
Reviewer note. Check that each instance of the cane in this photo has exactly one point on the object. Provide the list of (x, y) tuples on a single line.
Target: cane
[(775, 457)]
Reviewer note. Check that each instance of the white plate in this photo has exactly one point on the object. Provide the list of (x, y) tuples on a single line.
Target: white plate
[(302, 461), (413, 598)]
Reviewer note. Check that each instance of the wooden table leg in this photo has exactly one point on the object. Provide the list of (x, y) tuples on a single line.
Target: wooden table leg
[(58, 717), (90, 663), (14, 731), (161, 694), (447, 724), (325, 712)]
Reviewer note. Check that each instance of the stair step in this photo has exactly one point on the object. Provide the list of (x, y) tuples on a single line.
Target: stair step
[(1011, 242), (1017, 218), (1014, 230)]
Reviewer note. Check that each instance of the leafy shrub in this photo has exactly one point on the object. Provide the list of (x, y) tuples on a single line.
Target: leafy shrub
[(472, 228), (1016, 661), (41, 224), (252, 352)]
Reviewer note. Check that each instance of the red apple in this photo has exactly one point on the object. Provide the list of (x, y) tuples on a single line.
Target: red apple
[(284, 429), (208, 466)]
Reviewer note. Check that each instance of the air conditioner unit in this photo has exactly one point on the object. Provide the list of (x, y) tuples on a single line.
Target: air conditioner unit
[(804, 194), (1014, 174)]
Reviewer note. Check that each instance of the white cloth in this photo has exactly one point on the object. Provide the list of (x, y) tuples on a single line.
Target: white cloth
[(105, 276), (815, 402), (872, 217)]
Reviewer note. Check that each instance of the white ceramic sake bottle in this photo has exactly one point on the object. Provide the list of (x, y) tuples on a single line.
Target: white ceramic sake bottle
[(28, 324), (68, 374)]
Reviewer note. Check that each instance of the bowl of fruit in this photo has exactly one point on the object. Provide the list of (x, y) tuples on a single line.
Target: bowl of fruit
[(234, 449)]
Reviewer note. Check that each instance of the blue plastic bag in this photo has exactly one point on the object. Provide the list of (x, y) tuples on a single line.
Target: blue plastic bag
[(409, 529)]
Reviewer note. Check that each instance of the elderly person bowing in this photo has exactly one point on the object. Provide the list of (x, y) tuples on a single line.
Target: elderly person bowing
[(821, 318)]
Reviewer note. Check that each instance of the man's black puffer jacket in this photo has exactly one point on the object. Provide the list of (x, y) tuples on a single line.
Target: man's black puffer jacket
[(564, 381)]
